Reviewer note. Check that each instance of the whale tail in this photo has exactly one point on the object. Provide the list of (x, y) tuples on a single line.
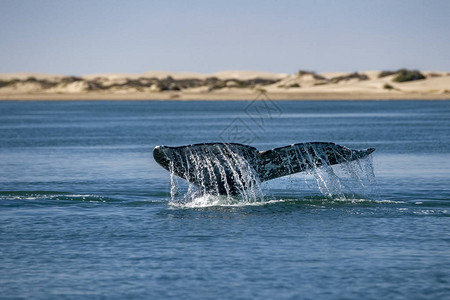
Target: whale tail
[(230, 168)]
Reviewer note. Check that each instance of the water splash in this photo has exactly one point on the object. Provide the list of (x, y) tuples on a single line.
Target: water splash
[(349, 179), (346, 181), (225, 167), (216, 168)]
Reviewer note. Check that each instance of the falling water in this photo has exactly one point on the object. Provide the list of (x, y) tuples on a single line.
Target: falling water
[(346, 180), (225, 174)]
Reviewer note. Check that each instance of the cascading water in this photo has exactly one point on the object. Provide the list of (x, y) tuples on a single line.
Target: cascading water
[(346, 180), (226, 174), (222, 175)]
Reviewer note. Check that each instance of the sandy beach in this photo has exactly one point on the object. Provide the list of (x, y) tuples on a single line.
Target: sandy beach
[(225, 85)]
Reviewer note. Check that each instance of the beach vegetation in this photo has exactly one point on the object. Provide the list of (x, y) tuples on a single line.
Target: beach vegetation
[(387, 86), (31, 79), (4, 83), (312, 73), (164, 86), (404, 75), (46, 84), (168, 84), (133, 83), (354, 75), (261, 81), (217, 85), (386, 73), (189, 83), (70, 79), (96, 85), (243, 84)]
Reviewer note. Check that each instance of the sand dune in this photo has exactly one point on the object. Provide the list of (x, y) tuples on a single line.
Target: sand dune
[(233, 85)]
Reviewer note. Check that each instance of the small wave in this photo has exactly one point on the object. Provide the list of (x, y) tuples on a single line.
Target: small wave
[(51, 196), (431, 212), (207, 201), (143, 203), (389, 201)]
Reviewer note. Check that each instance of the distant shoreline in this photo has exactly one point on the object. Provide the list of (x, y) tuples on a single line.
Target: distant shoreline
[(170, 96), (399, 84)]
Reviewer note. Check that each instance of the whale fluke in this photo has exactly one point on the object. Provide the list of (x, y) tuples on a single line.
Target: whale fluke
[(230, 168)]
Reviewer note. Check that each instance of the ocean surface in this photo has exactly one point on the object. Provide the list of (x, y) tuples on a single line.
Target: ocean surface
[(86, 213)]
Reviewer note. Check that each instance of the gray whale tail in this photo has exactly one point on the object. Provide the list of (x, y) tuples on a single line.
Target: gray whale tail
[(229, 168)]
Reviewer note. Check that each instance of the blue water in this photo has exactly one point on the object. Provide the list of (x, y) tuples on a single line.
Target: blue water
[(85, 211)]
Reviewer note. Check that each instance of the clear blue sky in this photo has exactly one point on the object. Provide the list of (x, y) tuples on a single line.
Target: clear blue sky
[(81, 37)]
